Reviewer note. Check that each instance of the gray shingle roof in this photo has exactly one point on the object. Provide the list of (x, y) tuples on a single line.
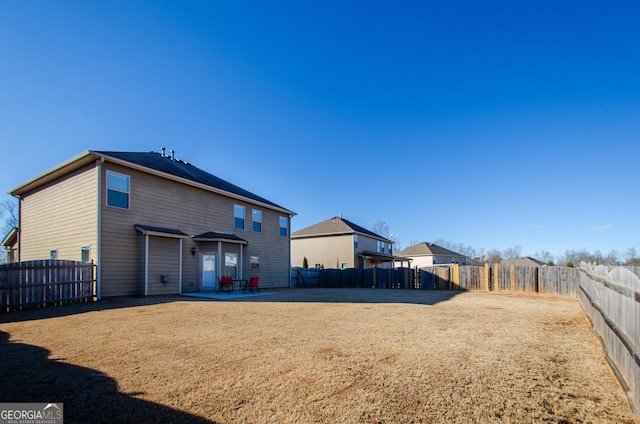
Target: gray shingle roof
[(212, 235), (182, 169), (335, 226), (527, 261), (427, 249)]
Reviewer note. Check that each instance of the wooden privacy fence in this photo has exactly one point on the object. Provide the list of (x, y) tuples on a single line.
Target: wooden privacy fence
[(555, 280), (610, 297), (304, 277), (40, 283)]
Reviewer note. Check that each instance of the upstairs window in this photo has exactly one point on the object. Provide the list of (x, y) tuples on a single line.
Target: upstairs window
[(355, 241), (238, 217), (257, 220), (283, 226), (117, 190)]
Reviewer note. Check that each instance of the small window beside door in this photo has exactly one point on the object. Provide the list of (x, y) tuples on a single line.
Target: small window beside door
[(85, 254)]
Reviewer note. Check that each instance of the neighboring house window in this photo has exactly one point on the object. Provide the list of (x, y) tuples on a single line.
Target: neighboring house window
[(380, 246), (254, 262), (117, 190), (257, 220), (85, 254), (238, 217), (344, 265), (390, 248), (355, 241), (53, 254), (231, 264), (283, 226)]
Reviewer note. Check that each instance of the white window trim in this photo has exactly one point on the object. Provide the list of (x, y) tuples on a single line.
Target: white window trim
[(128, 193)]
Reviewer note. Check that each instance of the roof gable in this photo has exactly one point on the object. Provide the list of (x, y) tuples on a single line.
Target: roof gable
[(151, 162), (526, 261), (335, 226), (182, 169), (428, 249)]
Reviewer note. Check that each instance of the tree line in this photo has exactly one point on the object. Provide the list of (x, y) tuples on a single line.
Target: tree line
[(481, 256)]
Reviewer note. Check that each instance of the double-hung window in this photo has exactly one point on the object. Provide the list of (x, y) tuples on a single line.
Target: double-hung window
[(283, 226), (257, 220), (117, 190), (238, 217), (254, 262)]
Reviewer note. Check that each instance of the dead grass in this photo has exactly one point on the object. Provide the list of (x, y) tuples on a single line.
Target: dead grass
[(353, 356)]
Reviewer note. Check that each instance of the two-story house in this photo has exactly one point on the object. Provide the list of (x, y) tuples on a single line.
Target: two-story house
[(339, 243), (152, 224)]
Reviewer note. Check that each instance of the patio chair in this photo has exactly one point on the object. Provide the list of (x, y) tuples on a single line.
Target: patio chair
[(225, 284), (252, 285)]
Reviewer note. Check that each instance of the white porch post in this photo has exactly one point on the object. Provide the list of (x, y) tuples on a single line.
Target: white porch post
[(219, 259), (241, 262)]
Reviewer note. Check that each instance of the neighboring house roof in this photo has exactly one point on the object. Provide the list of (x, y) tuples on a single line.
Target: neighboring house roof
[(152, 162), (10, 238), (526, 261), (335, 226), (427, 249)]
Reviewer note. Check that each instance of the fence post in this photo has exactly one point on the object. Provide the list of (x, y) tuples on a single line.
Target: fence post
[(485, 277), (496, 280), (513, 277), (456, 277)]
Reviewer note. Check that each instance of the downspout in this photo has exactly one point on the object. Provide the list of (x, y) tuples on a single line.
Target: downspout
[(99, 163), (289, 238), (180, 276), (19, 234), (146, 264)]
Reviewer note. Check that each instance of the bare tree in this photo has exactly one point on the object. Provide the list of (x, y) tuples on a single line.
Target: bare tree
[(494, 256), (544, 256), (381, 228), (630, 256), (9, 211), (512, 252)]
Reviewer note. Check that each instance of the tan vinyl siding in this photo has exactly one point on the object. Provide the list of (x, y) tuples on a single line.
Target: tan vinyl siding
[(158, 202), (330, 251), (61, 215), (164, 259)]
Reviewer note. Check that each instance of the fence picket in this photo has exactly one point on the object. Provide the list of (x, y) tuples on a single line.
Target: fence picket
[(33, 284)]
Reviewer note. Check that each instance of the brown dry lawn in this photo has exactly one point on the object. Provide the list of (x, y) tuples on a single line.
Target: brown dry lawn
[(314, 356)]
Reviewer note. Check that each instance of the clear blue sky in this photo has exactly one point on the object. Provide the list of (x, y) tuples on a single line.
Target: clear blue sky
[(489, 123)]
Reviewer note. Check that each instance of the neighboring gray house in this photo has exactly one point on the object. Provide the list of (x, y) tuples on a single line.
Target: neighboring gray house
[(152, 224), (526, 261), (339, 243), (429, 254)]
